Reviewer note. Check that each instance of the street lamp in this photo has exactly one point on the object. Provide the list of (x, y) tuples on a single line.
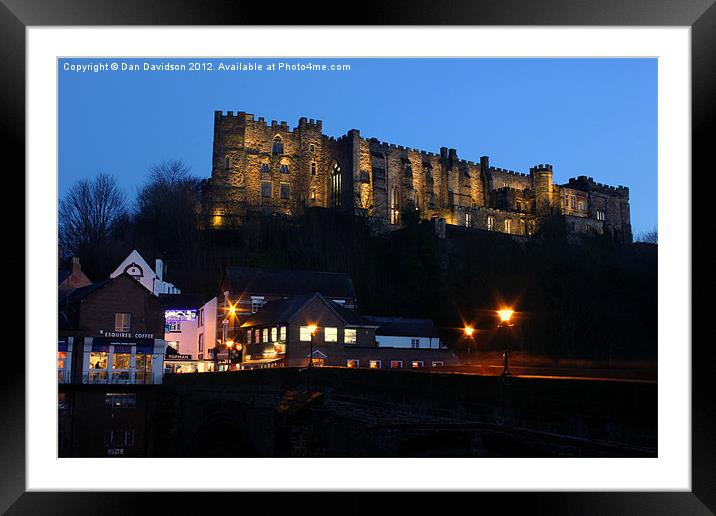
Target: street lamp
[(505, 317), (312, 330), (469, 331), (229, 345)]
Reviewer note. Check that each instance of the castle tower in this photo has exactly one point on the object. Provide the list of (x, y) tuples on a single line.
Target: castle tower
[(542, 185)]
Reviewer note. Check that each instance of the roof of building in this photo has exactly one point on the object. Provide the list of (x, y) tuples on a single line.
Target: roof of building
[(403, 327), (186, 301), (79, 294), (62, 275), (289, 282), (282, 310)]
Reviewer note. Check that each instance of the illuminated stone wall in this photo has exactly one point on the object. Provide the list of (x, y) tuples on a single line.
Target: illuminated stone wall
[(272, 168)]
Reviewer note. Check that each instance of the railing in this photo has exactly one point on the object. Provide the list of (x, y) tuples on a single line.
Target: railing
[(119, 378)]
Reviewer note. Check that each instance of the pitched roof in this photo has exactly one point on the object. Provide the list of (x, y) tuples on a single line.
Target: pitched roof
[(79, 294), (283, 310), (62, 275), (405, 327), (289, 282)]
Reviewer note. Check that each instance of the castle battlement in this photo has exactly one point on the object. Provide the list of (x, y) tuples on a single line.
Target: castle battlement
[(322, 176), (506, 171), (541, 168), (589, 185)]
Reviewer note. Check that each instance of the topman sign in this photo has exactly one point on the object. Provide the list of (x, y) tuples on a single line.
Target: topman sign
[(126, 335)]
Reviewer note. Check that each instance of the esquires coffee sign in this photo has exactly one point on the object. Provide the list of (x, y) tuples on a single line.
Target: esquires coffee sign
[(125, 335)]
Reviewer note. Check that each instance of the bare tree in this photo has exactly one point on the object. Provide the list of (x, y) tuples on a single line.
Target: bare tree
[(166, 218), (648, 237), (89, 214)]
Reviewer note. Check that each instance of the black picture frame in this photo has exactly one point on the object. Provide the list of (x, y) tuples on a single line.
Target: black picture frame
[(700, 15)]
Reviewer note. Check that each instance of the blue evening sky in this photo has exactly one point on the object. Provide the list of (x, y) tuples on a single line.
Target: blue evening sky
[(593, 117)]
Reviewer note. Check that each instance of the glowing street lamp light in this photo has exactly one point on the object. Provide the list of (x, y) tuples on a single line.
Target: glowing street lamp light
[(505, 317), (312, 330), (469, 331)]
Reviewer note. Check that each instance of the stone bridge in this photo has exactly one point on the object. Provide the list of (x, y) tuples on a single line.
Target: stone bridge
[(377, 413)]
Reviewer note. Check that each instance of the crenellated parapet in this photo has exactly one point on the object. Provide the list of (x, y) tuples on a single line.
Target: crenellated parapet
[(269, 166), (587, 184)]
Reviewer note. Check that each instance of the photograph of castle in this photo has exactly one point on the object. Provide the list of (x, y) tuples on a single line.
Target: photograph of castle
[(273, 168), (433, 258)]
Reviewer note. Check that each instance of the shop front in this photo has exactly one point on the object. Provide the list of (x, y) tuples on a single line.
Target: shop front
[(176, 363), (123, 360)]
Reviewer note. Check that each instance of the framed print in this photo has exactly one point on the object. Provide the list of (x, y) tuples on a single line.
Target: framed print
[(294, 255)]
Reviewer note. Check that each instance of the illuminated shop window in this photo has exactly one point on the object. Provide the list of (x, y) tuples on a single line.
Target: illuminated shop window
[(352, 363), (120, 361), (98, 360), (349, 336), (61, 357), (331, 335), (143, 364), (374, 364)]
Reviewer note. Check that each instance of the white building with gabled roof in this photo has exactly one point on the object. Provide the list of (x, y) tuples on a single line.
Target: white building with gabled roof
[(151, 279)]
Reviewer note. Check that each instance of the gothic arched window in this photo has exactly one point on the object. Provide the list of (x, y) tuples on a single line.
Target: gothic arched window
[(227, 162), (335, 186), (394, 206), (277, 145)]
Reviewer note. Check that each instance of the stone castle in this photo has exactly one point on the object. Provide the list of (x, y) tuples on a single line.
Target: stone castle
[(272, 168)]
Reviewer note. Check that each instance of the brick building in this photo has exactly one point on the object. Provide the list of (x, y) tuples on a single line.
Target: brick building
[(272, 168), (244, 290), (279, 335), (111, 331)]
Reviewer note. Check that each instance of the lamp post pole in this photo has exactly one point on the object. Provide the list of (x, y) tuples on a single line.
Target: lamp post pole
[(469, 332), (312, 331), (506, 353)]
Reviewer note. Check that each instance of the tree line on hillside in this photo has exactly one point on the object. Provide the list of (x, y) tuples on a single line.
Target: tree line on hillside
[(575, 297)]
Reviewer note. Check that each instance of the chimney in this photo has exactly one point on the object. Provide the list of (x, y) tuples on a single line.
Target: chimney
[(159, 269), (76, 265)]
